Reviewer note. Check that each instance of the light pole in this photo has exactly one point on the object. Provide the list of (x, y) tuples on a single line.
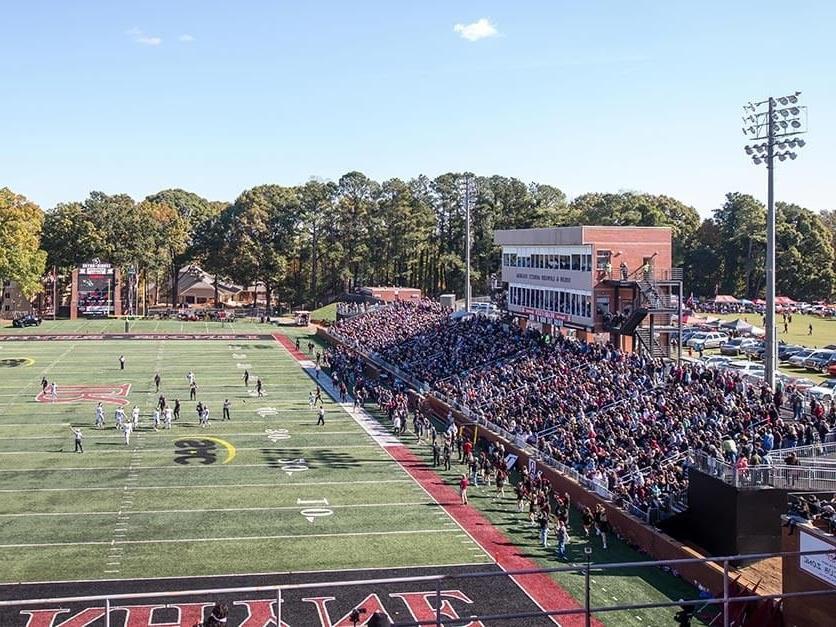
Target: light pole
[(467, 191), (777, 121)]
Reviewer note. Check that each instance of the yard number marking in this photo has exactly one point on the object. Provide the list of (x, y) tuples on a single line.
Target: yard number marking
[(274, 435), (239, 355), (266, 411), (312, 513), (293, 465)]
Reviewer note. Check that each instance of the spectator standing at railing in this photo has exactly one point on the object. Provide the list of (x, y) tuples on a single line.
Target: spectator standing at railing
[(543, 524)]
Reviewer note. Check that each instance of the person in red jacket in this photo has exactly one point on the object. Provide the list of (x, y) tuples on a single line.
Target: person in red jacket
[(463, 483), (467, 449)]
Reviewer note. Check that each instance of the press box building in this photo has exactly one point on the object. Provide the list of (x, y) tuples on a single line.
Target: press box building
[(603, 282)]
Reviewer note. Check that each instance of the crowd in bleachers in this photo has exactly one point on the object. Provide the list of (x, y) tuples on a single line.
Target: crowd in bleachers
[(390, 325), (623, 421)]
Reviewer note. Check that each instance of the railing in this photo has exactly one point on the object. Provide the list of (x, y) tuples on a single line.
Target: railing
[(804, 451), (111, 608), (776, 475)]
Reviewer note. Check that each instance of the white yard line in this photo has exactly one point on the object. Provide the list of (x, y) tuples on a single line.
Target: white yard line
[(301, 536), (260, 574), (197, 435), (119, 438), (353, 462), (236, 486), (283, 508)]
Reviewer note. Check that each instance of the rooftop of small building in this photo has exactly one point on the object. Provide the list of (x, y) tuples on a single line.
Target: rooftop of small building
[(576, 235)]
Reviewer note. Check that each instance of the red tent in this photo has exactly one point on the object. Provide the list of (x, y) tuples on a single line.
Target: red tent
[(725, 299), (759, 301), (784, 300)]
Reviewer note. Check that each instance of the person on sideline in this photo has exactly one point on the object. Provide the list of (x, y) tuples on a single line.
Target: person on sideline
[(463, 483)]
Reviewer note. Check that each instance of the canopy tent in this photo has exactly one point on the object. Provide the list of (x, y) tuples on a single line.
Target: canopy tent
[(757, 331), (725, 299), (760, 301), (744, 301), (695, 319), (739, 325), (784, 300)]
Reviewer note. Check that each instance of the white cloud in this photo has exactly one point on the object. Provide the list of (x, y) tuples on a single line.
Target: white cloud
[(142, 38), (480, 29), (186, 38)]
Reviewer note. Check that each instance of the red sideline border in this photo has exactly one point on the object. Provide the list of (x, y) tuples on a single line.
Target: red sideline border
[(541, 588)]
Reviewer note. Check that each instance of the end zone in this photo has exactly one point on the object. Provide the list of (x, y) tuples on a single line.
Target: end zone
[(322, 599)]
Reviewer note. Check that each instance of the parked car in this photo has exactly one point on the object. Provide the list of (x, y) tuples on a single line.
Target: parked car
[(802, 384), (716, 361), (707, 339), (687, 334), (823, 392), (737, 346), (788, 350), (818, 360), (745, 367), (756, 351), (797, 360), (29, 320)]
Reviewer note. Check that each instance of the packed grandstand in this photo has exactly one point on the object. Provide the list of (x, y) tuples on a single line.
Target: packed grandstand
[(625, 423)]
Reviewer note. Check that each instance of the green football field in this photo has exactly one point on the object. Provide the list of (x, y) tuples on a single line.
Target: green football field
[(268, 491), (113, 325)]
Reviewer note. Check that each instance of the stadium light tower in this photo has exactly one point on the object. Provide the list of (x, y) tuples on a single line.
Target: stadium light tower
[(467, 192), (775, 122)]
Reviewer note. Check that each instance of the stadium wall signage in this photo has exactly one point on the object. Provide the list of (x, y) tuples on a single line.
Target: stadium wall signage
[(820, 566)]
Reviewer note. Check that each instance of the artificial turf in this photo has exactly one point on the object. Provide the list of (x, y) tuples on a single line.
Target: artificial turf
[(129, 511)]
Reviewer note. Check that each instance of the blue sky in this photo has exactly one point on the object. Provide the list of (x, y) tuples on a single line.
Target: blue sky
[(218, 96)]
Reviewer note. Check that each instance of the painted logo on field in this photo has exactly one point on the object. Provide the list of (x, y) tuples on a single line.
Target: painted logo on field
[(309, 611), (202, 451), (20, 362), (115, 394)]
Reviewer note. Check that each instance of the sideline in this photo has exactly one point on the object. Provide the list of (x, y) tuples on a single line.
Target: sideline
[(540, 588)]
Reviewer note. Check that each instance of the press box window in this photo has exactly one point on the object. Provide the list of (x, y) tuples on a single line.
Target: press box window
[(603, 259)]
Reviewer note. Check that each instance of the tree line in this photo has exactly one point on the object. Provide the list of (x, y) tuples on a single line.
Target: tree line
[(309, 243)]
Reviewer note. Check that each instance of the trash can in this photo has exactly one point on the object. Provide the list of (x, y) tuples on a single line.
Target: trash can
[(126, 325)]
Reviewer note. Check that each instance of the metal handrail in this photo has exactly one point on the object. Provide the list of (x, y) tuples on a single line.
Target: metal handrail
[(726, 600)]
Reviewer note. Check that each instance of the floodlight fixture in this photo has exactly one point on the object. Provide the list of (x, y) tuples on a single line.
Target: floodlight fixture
[(776, 123)]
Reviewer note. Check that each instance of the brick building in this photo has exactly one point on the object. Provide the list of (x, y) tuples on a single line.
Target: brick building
[(603, 282), (12, 301)]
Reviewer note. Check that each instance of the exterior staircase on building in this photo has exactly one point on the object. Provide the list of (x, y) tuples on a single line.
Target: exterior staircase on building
[(632, 322), (650, 343)]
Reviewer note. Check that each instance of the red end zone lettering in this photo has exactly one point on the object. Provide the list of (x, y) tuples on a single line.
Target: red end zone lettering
[(260, 613), (115, 394), (47, 618), (420, 606), (371, 603), (189, 615)]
